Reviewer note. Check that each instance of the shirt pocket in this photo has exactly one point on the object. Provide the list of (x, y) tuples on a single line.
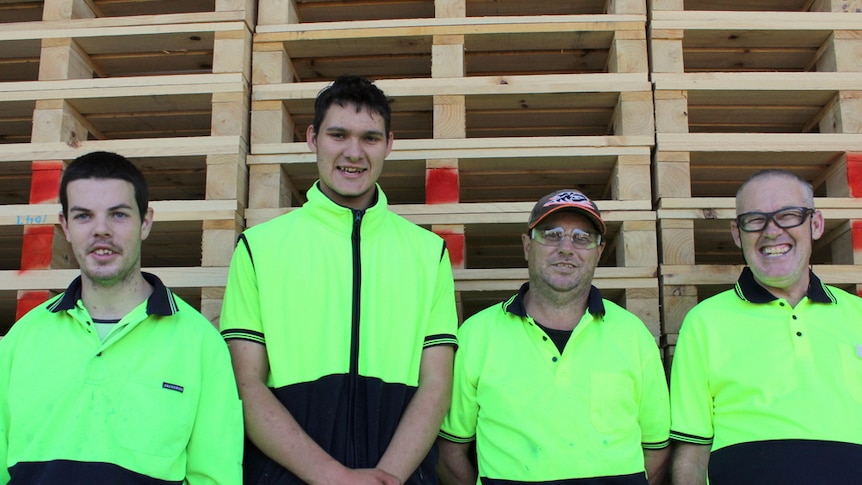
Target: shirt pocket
[(613, 407), (153, 416)]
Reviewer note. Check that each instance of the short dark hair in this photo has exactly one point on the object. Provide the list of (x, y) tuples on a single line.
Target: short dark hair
[(105, 165), (352, 90)]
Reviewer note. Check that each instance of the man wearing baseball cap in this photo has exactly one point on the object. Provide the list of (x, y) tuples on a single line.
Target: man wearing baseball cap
[(557, 384)]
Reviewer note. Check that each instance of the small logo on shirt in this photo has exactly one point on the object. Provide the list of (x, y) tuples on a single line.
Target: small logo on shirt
[(859, 350), (173, 387)]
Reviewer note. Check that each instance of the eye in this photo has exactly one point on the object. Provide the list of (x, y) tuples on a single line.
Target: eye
[(754, 219), (81, 216), (582, 237), (553, 235), (789, 215)]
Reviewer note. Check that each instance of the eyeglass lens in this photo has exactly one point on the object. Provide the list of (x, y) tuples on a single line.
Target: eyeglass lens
[(555, 236), (785, 218)]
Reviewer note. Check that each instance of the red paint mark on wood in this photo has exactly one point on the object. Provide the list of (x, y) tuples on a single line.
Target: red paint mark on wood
[(38, 244), (37, 247), (455, 244), (854, 174), (442, 186), (856, 232), (45, 182), (28, 300)]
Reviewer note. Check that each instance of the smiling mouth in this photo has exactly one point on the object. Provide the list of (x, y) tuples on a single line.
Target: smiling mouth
[(351, 169), (103, 252), (772, 251)]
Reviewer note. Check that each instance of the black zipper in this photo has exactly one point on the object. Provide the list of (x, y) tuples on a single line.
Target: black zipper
[(353, 378)]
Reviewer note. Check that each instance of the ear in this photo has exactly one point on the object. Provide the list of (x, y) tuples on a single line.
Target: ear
[(734, 231), (147, 223), (390, 143), (526, 241), (818, 225), (311, 138), (64, 224)]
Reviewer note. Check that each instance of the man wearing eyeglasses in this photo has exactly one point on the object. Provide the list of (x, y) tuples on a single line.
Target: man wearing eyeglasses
[(556, 384), (766, 384)]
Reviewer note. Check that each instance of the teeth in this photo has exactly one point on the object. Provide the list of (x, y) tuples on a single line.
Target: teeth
[(351, 169), (775, 250), (104, 252)]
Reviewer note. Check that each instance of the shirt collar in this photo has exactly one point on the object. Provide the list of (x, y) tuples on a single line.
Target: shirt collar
[(515, 305), (747, 288), (160, 302)]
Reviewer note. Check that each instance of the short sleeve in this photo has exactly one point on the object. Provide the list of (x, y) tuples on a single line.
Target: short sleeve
[(690, 397), (443, 318), (459, 425), (241, 315), (654, 415)]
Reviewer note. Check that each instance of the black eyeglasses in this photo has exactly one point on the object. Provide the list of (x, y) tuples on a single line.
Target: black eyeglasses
[(784, 218)]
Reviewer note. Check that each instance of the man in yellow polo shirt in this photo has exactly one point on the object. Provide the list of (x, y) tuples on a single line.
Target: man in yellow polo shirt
[(766, 385), (117, 379), (556, 384)]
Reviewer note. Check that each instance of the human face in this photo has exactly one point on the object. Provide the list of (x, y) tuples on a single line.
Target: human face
[(779, 258), (350, 148), (105, 230), (564, 268)]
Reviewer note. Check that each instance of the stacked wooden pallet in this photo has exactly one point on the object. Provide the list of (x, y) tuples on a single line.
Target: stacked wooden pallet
[(657, 109), (495, 104), (757, 85), (166, 84)]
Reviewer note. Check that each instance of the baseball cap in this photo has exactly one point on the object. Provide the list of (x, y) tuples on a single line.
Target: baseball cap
[(570, 200)]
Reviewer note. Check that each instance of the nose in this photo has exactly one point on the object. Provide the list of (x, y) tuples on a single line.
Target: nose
[(567, 245), (771, 227), (353, 149), (101, 226)]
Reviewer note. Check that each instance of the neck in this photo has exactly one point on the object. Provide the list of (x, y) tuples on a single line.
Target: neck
[(113, 302), (793, 294), (560, 311)]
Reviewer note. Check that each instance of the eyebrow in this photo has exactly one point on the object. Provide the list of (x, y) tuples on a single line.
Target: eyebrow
[(112, 208), (340, 129)]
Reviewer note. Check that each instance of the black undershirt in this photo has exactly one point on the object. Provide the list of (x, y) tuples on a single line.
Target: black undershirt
[(559, 337)]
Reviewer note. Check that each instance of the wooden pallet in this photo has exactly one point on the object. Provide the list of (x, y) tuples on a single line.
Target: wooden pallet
[(165, 83)]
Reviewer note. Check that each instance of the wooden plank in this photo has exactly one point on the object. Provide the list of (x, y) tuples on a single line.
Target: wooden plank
[(122, 87), (752, 21), (164, 210), (724, 208), (195, 277), (744, 5), (485, 85), (449, 26), (758, 81), (758, 142), (124, 26), (728, 274), (472, 148), (146, 148)]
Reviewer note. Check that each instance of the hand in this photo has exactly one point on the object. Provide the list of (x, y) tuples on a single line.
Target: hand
[(365, 476)]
